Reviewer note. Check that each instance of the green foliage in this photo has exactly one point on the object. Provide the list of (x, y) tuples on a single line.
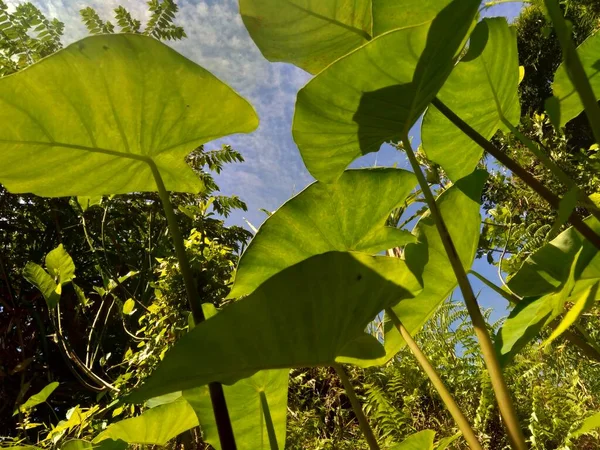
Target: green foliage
[(38, 398), (491, 64), (354, 106)]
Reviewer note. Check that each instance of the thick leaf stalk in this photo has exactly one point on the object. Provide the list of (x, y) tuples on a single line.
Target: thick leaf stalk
[(360, 415), (217, 395), (519, 171), (501, 391), (463, 424)]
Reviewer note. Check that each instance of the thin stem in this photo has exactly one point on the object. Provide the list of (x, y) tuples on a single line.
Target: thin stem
[(463, 424), (519, 171), (488, 351), (217, 395), (575, 70), (360, 415)]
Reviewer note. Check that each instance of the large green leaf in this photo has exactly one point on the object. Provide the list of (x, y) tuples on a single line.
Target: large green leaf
[(245, 409), (349, 215), (482, 90), (310, 34), (549, 267), (376, 93), (97, 118), (311, 314), (155, 426), (459, 207), (38, 398), (392, 15), (570, 103), (531, 315), (423, 440)]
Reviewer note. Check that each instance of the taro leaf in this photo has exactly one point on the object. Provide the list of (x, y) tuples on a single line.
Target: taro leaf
[(482, 90), (155, 426), (309, 34), (589, 424), (581, 303), (38, 398), (349, 215), (60, 265), (376, 93), (391, 14), (459, 207), (423, 440), (37, 276), (100, 116), (549, 267), (531, 315), (570, 103), (245, 409), (311, 314), (107, 444)]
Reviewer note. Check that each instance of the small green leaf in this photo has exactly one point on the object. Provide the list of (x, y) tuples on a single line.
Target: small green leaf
[(323, 218), (245, 409), (309, 34), (155, 426), (311, 314), (566, 206), (589, 424), (423, 440), (521, 74), (552, 107), (581, 303), (120, 107), (38, 398), (88, 202), (129, 306), (570, 103), (483, 91), (459, 207), (60, 265), (37, 276), (376, 93)]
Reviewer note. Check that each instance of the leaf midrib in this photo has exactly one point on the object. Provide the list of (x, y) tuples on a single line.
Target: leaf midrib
[(357, 31)]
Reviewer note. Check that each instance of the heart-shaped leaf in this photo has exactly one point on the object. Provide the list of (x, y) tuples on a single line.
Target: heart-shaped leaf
[(459, 207), (570, 103), (245, 400), (60, 265), (306, 33), (376, 93), (37, 276), (483, 91), (349, 215), (38, 398), (155, 426), (311, 314), (106, 113)]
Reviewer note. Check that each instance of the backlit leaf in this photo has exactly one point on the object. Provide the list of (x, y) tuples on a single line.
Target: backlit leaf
[(38, 398), (376, 93), (423, 440), (116, 107), (37, 276), (309, 34), (155, 426), (570, 103), (60, 265), (589, 424), (481, 90), (245, 409), (311, 314), (459, 207), (349, 215)]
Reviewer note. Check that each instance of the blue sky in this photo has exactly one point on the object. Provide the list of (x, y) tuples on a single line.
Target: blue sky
[(218, 41)]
